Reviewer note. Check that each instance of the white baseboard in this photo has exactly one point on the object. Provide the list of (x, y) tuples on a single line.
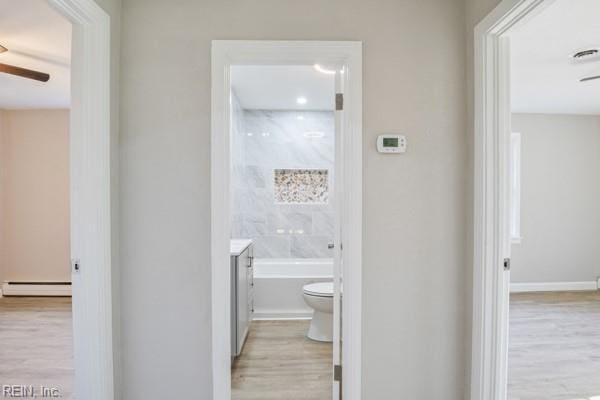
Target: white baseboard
[(552, 286), (266, 315), (11, 289)]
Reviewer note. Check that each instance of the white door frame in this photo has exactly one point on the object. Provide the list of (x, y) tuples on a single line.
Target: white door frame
[(226, 53), (491, 203), (90, 198)]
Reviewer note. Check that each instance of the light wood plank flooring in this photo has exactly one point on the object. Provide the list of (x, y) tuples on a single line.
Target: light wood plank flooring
[(36, 342), (554, 350), (279, 363)]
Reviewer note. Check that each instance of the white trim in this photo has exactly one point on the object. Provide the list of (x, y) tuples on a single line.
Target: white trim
[(348, 55), (491, 197), (552, 286), (35, 290), (267, 315), (90, 198)]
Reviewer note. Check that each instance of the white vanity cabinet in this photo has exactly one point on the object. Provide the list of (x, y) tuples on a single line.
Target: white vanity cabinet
[(242, 292)]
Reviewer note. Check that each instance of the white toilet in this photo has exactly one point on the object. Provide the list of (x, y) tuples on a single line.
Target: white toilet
[(319, 296)]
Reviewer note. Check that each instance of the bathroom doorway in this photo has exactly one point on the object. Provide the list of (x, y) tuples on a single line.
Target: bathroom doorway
[(284, 207), (286, 188)]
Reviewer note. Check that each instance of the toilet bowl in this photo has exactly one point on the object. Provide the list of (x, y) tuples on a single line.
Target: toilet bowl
[(319, 296)]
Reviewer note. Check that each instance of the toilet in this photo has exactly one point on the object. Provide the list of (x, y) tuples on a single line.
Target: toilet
[(319, 296)]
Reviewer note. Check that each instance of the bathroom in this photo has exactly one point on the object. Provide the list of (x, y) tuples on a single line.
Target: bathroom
[(282, 221)]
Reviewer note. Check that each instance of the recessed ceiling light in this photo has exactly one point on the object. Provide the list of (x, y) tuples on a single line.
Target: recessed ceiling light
[(324, 70), (301, 100), (327, 71), (266, 134), (300, 117), (250, 133)]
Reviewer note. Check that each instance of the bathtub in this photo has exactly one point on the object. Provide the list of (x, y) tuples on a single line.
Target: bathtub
[(278, 285)]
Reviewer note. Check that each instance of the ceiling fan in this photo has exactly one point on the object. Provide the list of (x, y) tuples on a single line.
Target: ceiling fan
[(22, 72)]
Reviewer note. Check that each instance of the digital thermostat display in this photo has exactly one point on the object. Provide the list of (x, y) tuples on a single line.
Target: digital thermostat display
[(391, 143)]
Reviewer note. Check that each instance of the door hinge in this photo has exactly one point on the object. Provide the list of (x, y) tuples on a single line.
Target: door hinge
[(339, 101), (337, 373), (507, 264)]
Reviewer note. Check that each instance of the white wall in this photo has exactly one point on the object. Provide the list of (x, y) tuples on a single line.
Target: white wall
[(560, 199), (414, 216), (34, 162)]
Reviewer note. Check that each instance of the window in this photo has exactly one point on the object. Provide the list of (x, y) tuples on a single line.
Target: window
[(515, 187)]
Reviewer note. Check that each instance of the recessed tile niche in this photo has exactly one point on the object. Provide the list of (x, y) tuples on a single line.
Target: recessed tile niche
[(301, 186)]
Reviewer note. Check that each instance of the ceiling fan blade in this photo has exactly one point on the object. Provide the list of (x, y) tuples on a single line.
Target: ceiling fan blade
[(3, 49), (590, 78), (24, 73)]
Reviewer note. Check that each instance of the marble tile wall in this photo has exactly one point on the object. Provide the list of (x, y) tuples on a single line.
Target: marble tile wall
[(264, 141)]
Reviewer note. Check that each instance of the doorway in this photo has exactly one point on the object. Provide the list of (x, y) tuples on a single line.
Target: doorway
[(497, 227), (336, 56), (89, 196)]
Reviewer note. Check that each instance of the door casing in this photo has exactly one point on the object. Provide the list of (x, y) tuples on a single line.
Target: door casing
[(489, 353), (90, 197), (348, 54)]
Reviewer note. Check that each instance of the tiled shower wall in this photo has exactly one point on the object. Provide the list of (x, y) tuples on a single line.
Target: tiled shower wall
[(264, 141)]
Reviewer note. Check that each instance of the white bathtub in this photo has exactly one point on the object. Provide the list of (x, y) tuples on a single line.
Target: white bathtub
[(278, 285)]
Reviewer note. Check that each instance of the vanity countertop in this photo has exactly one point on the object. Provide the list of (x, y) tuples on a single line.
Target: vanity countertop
[(238, 246)]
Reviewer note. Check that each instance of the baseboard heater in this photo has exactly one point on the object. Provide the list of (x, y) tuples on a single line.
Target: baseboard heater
[(36, 289)]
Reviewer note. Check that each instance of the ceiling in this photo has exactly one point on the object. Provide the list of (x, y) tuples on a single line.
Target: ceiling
[(545, 78), (37, 38), (277, 87)]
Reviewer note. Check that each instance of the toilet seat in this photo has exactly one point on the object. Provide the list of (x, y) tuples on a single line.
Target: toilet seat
[(320, 289)]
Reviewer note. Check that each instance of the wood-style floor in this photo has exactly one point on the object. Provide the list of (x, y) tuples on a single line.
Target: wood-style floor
[(278, 362), (554, 350), (36, 343)]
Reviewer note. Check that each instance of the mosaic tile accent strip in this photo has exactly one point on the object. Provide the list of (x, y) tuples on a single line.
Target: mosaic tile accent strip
[(301, 186)]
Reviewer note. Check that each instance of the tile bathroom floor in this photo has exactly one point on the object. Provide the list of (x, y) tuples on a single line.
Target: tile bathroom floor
[(278, 362), (36, 343), (554, 346)]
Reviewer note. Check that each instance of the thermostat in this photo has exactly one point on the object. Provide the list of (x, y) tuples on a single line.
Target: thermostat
[(391, 143)]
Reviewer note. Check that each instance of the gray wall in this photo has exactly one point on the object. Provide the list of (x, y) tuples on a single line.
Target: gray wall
[(415, 258), (560, 199), (277, 141)]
